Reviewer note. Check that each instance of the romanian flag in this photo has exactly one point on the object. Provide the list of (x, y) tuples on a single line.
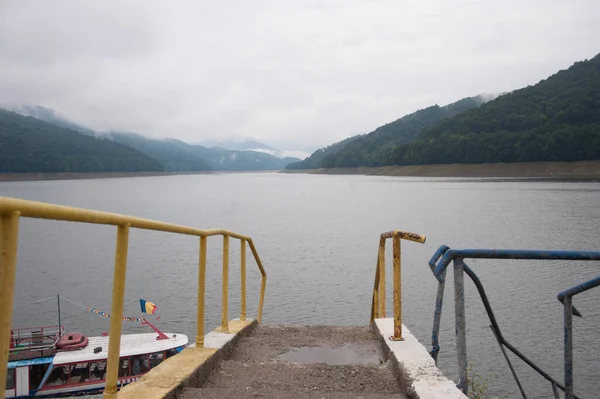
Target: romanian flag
[(147, 306)]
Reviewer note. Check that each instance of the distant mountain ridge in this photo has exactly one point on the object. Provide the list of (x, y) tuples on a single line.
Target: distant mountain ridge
[(242, 144), (175, 158), (174, 155), (238, 145), (233, 160)]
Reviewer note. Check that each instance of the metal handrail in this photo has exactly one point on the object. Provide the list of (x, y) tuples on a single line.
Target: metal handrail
[(442, 258), (22, 339), (378, 299), (12, 209)]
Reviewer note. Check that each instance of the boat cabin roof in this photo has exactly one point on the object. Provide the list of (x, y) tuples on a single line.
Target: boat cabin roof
[(131, 344), (29, 362), (27, 354)]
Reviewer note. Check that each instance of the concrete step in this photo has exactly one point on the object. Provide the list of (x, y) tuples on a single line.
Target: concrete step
[(302, 361), (303, 378), (222, 393)]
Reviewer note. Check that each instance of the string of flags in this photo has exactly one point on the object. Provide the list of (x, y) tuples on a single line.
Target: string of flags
[(106, 314), (147, 307)]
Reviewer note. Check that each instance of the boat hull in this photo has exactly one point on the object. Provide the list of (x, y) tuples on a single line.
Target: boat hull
[(90, 389), (83, 371)]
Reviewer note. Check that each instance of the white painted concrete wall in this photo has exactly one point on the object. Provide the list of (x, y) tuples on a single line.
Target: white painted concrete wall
[(416, 364), (217, 340)]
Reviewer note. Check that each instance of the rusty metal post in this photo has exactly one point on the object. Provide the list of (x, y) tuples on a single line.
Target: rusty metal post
[(201, 293), (9, 238), (243, 277), (568, 327), (116, 320), (381, 260), (439, 301), (460, 323), (437, 318), (224, 316), (397, 277), (555, 391), (375, 298)]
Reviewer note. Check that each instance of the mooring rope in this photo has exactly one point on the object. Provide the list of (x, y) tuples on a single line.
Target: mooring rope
[(34, 302), (62, 298), (73, 302), (87, 308)]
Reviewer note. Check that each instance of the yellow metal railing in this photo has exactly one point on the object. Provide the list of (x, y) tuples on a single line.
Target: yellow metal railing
[(378, 300), (11, 210)]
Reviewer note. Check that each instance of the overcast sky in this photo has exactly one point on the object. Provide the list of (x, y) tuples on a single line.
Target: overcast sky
[(297, 74)]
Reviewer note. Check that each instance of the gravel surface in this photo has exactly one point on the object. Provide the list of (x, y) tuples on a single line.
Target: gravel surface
[(302, 361)]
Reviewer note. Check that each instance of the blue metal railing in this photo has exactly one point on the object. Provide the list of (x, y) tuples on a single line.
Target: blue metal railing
[(442, 258)]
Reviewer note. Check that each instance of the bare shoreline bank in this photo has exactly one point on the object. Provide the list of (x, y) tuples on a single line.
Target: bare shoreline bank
[(546, 170), (581, 170), (8, 177)]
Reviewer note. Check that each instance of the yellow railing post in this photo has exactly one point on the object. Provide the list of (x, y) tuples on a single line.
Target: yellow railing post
[(381, 258), (12, 209), (243, 277), (261, 301), (9, 237), (378, 299), (201, 293), (397, 291), (263, 283), (224, 319), (116, 320)]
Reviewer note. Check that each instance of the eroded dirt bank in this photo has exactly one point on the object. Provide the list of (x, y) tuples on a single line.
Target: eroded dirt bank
[(566, 170)]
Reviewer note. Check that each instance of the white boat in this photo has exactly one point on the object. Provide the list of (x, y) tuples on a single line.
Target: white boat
[(46, 362)]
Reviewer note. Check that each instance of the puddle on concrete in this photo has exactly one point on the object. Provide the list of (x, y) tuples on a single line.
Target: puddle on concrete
[(332, 356)]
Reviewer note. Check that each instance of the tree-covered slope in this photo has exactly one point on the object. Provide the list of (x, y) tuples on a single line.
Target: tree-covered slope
[(315, 160), (29, 145), (558, 119), (47, 115), (370, 149), (175, 155)]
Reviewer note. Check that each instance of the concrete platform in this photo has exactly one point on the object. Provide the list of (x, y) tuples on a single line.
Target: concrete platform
[(283, 361), (295, 361)]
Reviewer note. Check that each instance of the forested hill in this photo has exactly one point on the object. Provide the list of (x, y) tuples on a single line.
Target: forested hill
[(29, 145), (173, 155), (316, 159), (370, 149), (557, 119)]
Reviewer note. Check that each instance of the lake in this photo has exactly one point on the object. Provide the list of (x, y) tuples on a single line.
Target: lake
[(317, 236)]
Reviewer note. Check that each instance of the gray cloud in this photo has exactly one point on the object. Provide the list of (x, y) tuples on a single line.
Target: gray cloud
[(298, 74)]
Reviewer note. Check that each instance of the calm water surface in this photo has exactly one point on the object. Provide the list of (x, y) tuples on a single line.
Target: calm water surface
[(317, 237)]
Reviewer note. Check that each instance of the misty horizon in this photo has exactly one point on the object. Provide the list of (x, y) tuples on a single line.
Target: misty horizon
[(299, 76)]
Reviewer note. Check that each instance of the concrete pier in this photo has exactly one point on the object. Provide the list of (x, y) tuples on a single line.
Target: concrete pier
[(286, 361), (295, 361)]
